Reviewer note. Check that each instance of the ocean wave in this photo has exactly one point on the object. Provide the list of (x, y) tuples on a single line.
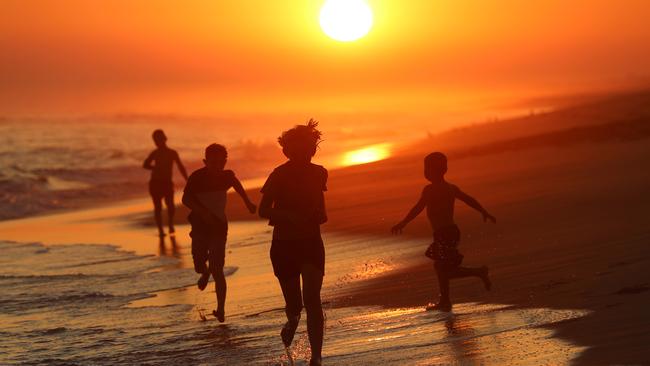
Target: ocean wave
[(21, 302), (94, 162), (48, 277), (105, 261)]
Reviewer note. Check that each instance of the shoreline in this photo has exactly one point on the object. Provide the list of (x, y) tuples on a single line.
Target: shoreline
[(572, 228)]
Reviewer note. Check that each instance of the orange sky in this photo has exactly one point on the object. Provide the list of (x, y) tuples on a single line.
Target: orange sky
[(261, 56)]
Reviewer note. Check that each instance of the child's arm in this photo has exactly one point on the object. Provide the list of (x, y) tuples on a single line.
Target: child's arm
[(415, 211), (181, 167), (240, 190), (473, 203), (266, 206), (147, 162)]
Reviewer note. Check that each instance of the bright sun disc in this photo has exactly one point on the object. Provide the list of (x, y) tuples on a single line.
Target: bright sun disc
[(346, 20)]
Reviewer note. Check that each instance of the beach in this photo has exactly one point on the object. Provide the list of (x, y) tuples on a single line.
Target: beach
[(568, 256)]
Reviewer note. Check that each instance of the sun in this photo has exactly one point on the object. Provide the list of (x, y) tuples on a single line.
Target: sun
[(346, 20)]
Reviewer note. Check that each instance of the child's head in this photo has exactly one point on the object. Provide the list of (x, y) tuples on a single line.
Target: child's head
[(300, 143), (215, 157), (435, 166), (159, 138)]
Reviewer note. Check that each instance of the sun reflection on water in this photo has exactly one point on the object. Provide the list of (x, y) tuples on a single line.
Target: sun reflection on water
[(366, 155)]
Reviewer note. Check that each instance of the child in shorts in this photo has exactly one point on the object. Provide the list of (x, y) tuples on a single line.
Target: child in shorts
[(161, 187), (293, 201), (439, 198), (205, 194)]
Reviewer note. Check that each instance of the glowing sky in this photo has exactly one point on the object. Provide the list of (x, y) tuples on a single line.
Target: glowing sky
[(209, 56)]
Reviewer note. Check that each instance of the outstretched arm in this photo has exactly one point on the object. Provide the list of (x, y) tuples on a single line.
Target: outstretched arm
[(181, 167), (415, 211), (473, 203), (242, 193), (148, 162)]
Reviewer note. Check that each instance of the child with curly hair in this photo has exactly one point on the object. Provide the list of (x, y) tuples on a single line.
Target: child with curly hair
[(293, 201)]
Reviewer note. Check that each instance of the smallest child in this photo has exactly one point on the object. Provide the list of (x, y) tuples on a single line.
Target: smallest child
[(205, 194), (439, 198)]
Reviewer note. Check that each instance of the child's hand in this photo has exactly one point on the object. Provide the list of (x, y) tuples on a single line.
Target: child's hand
[(251, 207), (397, 229), (487, 217)]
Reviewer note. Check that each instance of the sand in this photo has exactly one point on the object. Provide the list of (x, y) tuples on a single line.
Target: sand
[(570, 190)]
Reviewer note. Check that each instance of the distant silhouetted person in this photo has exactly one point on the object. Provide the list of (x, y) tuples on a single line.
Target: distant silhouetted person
[(205, 194), (160, 162), (293, 201), (438, 198)]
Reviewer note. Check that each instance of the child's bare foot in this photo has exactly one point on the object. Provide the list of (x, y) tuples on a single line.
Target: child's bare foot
[(485, 276), (202, 283), (289, 330), (220, 314), (441, 306)]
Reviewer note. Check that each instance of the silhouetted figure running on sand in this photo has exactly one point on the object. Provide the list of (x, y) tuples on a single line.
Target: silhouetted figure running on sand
[(161, 162), (205, 194), (293, 201), (438, 198)]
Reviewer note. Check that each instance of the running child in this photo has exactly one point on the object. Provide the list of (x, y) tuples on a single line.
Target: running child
[(161, 187), (438, 198), (293, 201), (205, 194)]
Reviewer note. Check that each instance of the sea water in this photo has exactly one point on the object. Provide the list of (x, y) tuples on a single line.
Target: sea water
[(102, 304)]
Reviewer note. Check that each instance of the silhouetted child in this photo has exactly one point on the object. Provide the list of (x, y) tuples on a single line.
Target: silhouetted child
[(293, 201), (205, 194), (438, 198), (161, 162)]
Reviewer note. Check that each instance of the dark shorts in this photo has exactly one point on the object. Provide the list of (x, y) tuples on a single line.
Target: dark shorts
[(208, 245), (444, 249), (287, 256), (161, 189)]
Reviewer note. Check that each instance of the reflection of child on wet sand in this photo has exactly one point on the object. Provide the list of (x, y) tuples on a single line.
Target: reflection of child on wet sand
[(438, 198), (161, 162), (205, 194), (293, 201)]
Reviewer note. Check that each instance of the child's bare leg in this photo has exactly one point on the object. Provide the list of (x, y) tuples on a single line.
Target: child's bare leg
[(444, 302), (171, 210), (293, 307), (157, 214), (480, 272), (220, 289), (312, 281), (202, 283)]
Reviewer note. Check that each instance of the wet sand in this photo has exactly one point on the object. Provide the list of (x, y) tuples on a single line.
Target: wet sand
[(572, 235), (572, 232), (571, 192), (356, 334)]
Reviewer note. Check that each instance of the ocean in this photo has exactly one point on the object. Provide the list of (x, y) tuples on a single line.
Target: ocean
[(91, 287), (49, 165), (101, 304)]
